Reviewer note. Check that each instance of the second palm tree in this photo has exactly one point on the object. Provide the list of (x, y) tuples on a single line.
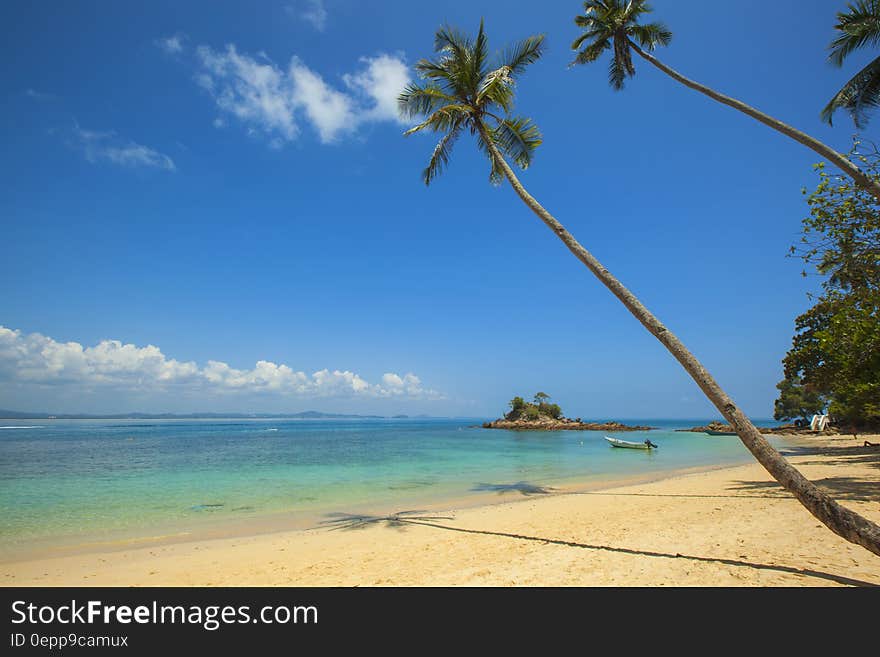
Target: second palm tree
[(614, 25)]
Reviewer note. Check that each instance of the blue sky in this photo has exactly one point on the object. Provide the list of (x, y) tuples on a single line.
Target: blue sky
[(218, 185)]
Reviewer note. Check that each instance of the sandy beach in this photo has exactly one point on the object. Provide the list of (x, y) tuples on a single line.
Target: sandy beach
[(725, 527)]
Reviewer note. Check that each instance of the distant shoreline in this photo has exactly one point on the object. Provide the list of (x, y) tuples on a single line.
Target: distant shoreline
[(305, 415)]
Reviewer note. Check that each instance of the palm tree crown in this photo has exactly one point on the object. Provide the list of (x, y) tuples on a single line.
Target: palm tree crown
[(610, 25), (465, 90), (858, 27)]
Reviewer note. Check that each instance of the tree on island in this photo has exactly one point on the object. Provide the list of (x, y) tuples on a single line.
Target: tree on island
[(520, 409), (464, 92), (614, 25)]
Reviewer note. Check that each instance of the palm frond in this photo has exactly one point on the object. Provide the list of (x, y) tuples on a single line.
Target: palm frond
[(496, 174), (592, 52), (517, 138), (497, 88), (858, 27), (858, 96), (442, 119), (626, 56), (450, 39), (461, 64), (589, 35), (440, 156), (480, 51), (416, 100), (522, 53), (651, 35), (433, 70), (616, 74)]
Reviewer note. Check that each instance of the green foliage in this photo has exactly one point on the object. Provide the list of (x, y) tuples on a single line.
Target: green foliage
[(836, 351), (842, 234), (857, 28), (552, 410), (467, 90), (519, 408), (836, 348), (796, 401), (614, 25)]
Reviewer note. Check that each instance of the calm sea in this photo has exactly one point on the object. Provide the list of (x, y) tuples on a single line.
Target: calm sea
[(70, 482)]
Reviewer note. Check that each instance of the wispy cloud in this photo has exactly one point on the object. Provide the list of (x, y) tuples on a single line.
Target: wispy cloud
[(273, 102), (173, 44), (38, 95), (37, 359), (99, 146), (312, 11)]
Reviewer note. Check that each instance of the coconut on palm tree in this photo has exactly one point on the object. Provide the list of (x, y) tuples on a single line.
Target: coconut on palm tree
[(615, 25), (858, 27), (466, 91)]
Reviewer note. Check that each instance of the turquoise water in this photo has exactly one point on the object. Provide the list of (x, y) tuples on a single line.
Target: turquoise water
[(67, 480)]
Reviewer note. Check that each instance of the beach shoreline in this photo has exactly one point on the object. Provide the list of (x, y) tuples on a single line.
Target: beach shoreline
[(158, 484), (711, 526)]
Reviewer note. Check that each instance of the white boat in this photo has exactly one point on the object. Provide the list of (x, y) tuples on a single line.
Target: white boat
[(617, 442)]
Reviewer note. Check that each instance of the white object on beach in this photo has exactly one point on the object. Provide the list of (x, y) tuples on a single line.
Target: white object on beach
[(819, 423), (617, 442)]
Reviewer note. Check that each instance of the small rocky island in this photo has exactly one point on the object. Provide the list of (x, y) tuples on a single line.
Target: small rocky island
[(718, 427), (712, 426), (541, 415)]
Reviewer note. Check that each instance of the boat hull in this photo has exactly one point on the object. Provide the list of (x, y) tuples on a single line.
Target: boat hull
[(625, 444)]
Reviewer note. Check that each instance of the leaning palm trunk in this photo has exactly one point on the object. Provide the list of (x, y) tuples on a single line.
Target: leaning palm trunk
[(838, 159), (837, 518)]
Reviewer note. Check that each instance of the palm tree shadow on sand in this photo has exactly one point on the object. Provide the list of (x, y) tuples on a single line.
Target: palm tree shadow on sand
[(401, 519)]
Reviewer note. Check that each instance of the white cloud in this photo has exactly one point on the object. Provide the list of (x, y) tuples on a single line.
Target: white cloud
[(37, 359), (273, 102), (257, 93), (404, 385), (107, 146), (382, 80), (331, 112), (311, 11), (172, 45)]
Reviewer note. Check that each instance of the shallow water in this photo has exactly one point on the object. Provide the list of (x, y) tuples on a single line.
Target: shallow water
[(63, 481)]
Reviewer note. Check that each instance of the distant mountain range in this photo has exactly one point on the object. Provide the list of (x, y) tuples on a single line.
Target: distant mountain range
[(307, 415)]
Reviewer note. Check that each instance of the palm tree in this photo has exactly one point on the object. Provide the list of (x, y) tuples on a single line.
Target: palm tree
[(614, 25), (463, 92), (859, 27)]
